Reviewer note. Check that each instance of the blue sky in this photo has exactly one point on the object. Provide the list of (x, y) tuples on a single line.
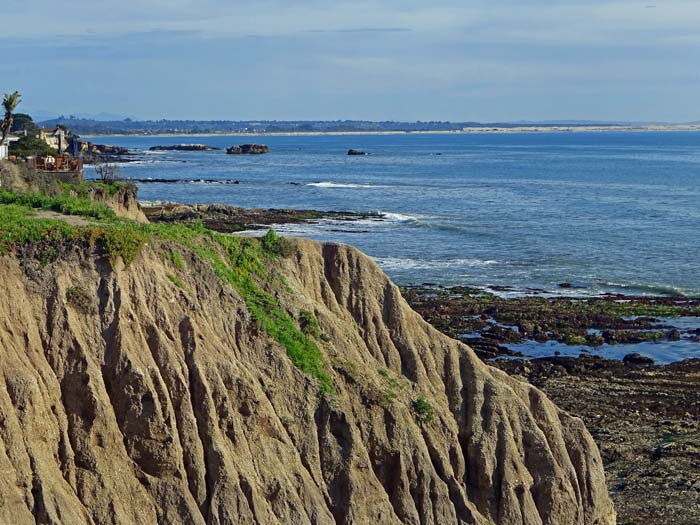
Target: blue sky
[(490, 60)]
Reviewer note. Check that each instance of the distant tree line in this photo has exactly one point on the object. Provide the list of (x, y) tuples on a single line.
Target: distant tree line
[(83, 126), (128, 126)]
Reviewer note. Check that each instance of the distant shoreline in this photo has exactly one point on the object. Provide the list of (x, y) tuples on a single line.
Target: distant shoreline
[(464, 131)]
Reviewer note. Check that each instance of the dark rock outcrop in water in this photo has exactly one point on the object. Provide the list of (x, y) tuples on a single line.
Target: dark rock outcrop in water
[(99, 153), (154, 396), (229, 219), (184, 147), (248, 149), (103, 149), (152, 180), (637, 359), (357, 153)]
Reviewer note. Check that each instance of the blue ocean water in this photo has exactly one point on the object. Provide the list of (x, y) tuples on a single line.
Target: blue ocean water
[(607, 212)]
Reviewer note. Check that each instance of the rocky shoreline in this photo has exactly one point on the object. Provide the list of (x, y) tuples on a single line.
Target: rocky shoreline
[(231, 219), (488, 322), (645, 418)]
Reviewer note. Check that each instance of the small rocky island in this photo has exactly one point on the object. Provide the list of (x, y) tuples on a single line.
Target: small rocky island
[(248, 149), (356, 153), (184, 147)]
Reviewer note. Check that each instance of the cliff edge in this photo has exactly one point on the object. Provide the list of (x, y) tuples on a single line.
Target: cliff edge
[(158, 393)]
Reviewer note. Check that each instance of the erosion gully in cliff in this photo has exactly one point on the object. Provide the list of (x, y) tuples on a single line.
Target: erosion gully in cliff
[(158, 393)]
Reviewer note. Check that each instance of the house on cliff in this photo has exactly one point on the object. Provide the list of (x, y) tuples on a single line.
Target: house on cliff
[(54, 137)]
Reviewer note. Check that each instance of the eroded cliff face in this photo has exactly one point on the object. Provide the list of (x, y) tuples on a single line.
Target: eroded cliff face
[(128, 396)]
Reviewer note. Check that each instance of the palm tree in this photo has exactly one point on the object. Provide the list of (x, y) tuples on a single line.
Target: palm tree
[(10, 103)]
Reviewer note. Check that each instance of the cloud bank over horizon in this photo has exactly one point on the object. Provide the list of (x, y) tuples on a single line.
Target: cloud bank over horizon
[(498, 60)]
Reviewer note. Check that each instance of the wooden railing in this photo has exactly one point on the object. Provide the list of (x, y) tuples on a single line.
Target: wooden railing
[(56, 164)]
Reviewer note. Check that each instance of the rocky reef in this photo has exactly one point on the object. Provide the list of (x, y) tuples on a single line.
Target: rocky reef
[(183, 147), (228, 219), (169, 374), (248, 149), (99, 153), (488, 321)]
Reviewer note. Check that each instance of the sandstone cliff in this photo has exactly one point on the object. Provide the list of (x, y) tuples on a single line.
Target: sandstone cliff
[(149, 394), (120, 196)]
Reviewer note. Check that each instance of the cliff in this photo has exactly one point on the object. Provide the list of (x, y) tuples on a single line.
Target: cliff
[(159, 393), (119, 196)]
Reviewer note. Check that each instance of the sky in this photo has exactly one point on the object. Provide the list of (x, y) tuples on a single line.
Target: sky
[(457, 60)]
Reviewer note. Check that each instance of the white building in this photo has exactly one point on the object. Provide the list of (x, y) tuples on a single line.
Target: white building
[(5, 146)]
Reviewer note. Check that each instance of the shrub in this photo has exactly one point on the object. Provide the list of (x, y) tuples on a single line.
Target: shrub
[(29, 146), (423, 409), (273, 244), (309, 324), (108, 173), (125, 242)]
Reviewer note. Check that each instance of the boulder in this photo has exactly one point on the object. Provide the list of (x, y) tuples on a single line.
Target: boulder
[(637, 359), (248, 149)]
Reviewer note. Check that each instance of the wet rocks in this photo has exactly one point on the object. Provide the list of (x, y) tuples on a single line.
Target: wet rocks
[(637, 359), (103, 149), (644, 417), (573, 321), (183, 147), (229, 219), (646, 422), (248, 149), (99, 153), (357, 153)]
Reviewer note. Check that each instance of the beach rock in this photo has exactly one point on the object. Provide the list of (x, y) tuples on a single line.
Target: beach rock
[(183, 147), (248, 149), (228, 219), (356, 152), (637, 359), (103, 149)]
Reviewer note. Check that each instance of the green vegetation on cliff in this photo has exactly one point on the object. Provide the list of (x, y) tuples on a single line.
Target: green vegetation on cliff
[(65, 204), (29, 146), (237, 261)]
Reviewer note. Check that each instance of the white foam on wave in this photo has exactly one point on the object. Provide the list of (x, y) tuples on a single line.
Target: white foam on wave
[(647, 288), (397, 263), (329, 184), (397, 217)]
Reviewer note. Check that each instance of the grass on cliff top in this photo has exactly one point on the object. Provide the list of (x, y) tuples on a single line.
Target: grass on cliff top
[(85, 188), (237, 261), (64, 204)]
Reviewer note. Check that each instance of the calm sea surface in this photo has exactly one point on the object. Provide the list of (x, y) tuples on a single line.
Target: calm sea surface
[(616, 212)]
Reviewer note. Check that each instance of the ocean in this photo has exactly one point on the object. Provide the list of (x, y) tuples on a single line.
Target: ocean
[(604, 212)]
